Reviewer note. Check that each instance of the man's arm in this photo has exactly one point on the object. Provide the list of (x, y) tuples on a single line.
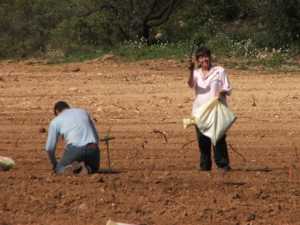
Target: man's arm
[(51, 143), (94, 129)]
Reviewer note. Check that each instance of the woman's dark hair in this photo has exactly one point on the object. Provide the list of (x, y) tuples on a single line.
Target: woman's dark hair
[(203, 51), (60, 106)]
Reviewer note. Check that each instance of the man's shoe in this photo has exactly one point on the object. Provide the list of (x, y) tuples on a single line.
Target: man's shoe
[(82, 169), (85, 170), (76, 168), (68, 171)]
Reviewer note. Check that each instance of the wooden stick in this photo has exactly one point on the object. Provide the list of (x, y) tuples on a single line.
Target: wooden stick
[(106, 139)]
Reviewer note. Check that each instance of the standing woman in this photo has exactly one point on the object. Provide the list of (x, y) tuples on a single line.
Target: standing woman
[(209, 82)]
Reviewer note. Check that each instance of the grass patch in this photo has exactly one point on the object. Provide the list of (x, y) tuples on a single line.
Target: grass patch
[(83, 56), (140, 51), (236, 55), (75, 56)]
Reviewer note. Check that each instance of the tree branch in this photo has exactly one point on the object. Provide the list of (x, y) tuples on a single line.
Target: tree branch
[(106, 6), (163, 15), (151, 11)]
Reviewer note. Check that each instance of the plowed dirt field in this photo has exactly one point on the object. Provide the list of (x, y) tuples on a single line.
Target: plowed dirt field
[(143, 104)]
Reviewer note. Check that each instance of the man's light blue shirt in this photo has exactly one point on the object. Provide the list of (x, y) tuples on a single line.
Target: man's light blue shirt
[(75, 126)]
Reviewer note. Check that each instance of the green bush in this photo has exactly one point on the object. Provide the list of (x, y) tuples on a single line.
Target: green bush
[(276, 60)]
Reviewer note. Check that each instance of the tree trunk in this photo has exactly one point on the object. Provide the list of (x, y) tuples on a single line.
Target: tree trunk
[(146, 33)]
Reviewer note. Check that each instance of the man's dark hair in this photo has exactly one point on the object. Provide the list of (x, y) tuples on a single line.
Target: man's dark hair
[(203, 51), (60, 106)]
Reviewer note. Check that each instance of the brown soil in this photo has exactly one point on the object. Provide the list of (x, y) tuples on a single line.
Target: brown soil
[(157, 183)]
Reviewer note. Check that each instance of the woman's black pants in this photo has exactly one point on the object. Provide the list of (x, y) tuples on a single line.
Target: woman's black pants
[(220, 152)]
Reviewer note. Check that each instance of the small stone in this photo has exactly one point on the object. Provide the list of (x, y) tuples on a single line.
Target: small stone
[(83, 207), (101, 180), (73, 89)]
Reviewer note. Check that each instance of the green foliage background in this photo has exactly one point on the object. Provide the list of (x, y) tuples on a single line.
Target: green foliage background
[(41, 27)]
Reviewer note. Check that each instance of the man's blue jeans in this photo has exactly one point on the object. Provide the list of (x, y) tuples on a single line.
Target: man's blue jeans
[(89, 154)]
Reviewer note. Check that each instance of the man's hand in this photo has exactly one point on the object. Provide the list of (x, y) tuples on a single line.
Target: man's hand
[(51, 156), (54, 167)]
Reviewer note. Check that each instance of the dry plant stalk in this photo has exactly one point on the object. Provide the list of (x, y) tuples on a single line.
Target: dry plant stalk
[(239, 154), (120, 107), (292, 166), (188, 143), (164, 134)]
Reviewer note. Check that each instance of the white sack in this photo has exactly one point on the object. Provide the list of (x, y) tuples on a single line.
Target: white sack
[(213, 120), (6, 163)]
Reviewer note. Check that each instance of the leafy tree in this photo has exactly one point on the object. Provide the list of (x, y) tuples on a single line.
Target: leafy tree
[(33, 26), (28, 23), (107, 23), (282, 19), (133, 19)]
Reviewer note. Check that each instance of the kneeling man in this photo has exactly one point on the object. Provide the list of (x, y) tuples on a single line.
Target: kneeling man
[(81, 140)]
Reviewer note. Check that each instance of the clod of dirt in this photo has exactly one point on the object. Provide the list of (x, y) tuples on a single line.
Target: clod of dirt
[(251, 217), (262, 195), (235, 183), (144, 144), (2, 79), (75, 70), (42, 130), (101, 180), (253, 101), (236, 196)]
